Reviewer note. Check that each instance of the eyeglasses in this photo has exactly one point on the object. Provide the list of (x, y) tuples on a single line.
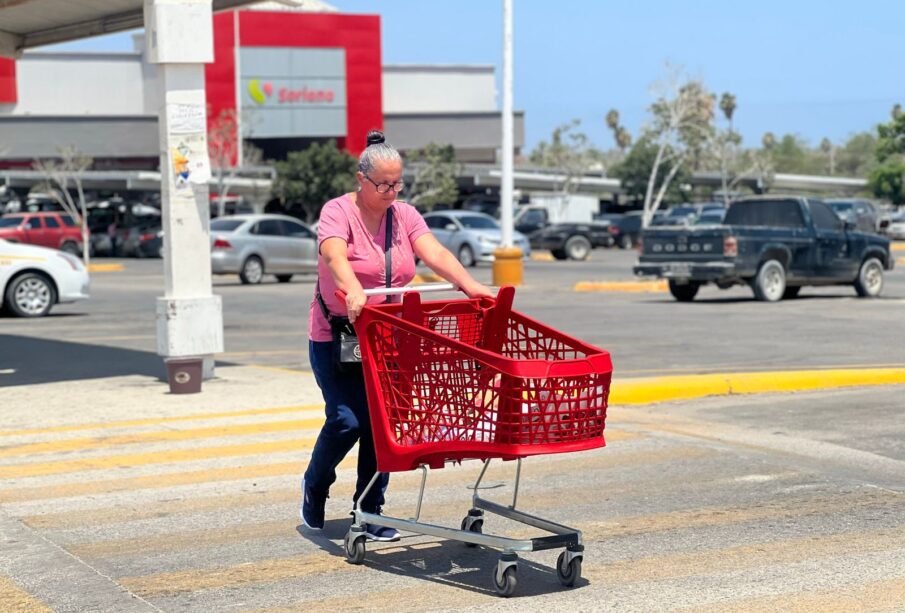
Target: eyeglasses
[(383, 188)]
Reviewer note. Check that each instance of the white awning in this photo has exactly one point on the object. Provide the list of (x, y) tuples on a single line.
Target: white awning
[(34, 23)]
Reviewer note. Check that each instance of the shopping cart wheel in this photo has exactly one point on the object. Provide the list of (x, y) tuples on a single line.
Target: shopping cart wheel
[(504, 578), (355, 547), (568, 572), (473, 525)]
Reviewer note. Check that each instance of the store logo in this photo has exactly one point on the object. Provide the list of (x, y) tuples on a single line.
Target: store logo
[(260, 92)]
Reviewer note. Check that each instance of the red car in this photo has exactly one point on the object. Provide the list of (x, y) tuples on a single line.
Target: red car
[(49, 229)]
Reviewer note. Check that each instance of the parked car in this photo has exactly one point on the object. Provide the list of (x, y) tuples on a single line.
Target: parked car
[(896, 227), (34, 279), (471, 236), (861, 212), (254, 245), (50, 229), (775, 244), (626, 230)]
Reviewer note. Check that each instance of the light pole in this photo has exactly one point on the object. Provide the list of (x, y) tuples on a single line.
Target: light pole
[(507, 261)]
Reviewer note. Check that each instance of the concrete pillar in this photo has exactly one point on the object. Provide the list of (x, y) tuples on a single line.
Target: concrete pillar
[(180, 41)]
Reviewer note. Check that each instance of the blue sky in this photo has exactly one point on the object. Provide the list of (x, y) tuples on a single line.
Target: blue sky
[(819, 69)]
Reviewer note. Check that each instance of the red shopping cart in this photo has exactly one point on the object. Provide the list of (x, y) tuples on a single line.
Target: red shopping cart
[(452, 380)]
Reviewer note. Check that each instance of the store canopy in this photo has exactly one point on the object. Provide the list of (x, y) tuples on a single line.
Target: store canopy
[(33, 23)]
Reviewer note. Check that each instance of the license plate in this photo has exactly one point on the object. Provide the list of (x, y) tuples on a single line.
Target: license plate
[(679, 270)]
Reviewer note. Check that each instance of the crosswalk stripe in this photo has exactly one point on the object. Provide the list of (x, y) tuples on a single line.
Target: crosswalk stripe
[(14, 599), (886, 595), (176, 582), (128, 423), (160, 436), (620, 527), (166, 480), (38, 469)]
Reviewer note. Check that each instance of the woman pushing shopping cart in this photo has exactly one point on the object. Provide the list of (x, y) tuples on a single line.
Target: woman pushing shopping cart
[(453, 380)]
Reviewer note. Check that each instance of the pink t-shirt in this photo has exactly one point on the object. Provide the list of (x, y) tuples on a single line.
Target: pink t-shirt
[(341, 218)]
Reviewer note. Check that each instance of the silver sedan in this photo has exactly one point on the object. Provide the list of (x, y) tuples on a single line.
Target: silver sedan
[(254, 245)]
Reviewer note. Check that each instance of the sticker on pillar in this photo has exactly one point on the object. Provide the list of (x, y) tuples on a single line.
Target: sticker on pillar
[(190, 161)]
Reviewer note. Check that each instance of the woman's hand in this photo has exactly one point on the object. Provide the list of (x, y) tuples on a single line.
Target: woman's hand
[(355, 302), (477, 290)]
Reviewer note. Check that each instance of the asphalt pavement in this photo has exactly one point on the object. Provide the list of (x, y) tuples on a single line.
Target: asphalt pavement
[(118, 496)]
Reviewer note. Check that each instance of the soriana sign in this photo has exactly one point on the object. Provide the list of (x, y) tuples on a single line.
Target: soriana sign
[(293, 92)]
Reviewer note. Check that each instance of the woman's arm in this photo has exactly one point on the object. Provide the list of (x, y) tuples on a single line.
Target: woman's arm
[(333, 250), (439, 259)]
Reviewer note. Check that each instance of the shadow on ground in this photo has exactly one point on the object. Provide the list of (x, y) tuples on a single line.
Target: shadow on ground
[(26, 360), (448, 563)]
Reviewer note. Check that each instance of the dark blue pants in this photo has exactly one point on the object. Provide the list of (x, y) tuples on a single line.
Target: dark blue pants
[(348, 421)]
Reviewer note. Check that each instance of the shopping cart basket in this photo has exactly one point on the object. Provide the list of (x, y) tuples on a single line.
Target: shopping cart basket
[(451, 380)]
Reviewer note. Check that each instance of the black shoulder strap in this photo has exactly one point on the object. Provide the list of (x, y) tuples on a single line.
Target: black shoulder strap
[(387, 247)]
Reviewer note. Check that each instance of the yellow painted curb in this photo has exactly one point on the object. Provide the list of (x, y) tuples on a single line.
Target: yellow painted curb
[(427, 277), (105, 267), (684, 387), (542, 256), (900, 261), (621, 286), (897, 246)]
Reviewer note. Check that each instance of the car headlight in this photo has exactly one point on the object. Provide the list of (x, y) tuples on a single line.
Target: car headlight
[(486, 240)]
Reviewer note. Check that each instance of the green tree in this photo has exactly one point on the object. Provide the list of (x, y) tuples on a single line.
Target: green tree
[(435, 176), (886, 181), (791, 154), (309, 178), (857, 157)]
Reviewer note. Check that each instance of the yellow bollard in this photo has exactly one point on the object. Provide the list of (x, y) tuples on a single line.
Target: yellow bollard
[(507, 266)]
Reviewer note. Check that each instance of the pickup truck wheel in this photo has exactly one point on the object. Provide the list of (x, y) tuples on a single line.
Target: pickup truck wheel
[(577, 248), (683, 292), (869, 283), (770, 282), (559, 254)]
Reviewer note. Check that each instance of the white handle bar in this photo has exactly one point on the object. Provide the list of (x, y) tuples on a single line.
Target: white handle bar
[(395, 291)]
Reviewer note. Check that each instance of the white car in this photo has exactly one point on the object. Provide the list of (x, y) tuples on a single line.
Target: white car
[(33, 279)]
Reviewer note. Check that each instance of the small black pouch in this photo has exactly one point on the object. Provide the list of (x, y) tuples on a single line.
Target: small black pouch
[(346, 348)]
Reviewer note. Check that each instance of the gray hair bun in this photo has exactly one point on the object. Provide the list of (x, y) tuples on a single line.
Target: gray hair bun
[(377, 150)]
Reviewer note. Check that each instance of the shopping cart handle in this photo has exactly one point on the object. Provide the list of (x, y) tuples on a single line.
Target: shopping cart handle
[(395, 291)]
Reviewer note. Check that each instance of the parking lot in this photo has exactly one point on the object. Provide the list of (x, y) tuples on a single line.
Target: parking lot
[(140, 500)]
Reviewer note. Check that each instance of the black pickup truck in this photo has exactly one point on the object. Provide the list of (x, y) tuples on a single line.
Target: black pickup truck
[(775, 244)]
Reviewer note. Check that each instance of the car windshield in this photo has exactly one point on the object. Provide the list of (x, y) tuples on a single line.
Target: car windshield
[(10, 222), (226, 225), (841, 207), (476, 222)]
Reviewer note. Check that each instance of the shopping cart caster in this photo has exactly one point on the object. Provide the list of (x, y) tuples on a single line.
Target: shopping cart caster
[(568, 566), (355, 545), (473, 522), (504, 578)]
